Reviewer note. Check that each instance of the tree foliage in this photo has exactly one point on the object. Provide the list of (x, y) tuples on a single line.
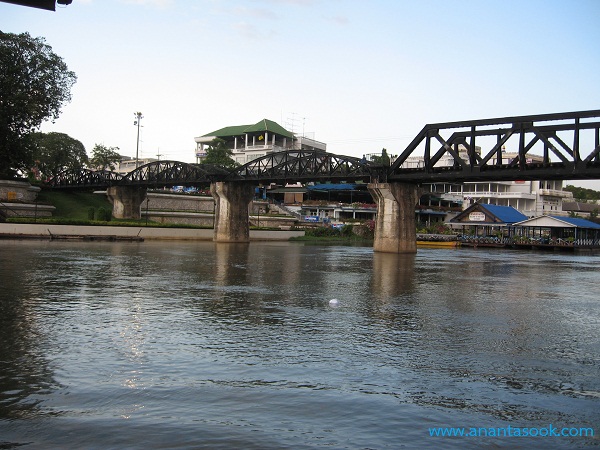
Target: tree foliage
[(384, 159), (218, 154), (580, 193), (104, 157), (34, 85), (55, 152)]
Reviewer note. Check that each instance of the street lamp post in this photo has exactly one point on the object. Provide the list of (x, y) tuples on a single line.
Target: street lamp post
[(138, 119)]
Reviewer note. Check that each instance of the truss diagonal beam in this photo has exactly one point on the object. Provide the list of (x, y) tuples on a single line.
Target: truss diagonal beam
[(459, 159)]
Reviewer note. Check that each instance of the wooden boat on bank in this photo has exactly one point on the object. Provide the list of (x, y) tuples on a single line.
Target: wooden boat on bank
[(438, 240), (439, 244)]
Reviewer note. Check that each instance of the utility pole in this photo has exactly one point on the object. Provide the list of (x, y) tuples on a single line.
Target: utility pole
[(138, 119)]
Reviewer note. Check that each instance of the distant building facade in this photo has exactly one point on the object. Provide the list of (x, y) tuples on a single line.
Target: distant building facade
[(127, 164), (249, 142), (532, 198)]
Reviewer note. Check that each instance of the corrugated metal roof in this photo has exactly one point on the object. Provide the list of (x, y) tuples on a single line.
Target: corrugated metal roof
[(579, 206), (506, 214), (578, 222), (332, 187)]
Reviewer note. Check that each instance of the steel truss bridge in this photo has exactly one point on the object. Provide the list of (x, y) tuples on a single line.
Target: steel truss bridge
[(545, 147)]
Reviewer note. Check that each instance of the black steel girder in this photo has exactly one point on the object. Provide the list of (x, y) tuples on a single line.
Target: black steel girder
[(568, 146), (173, 173), (470, 162), (84, 178), (302, 166)]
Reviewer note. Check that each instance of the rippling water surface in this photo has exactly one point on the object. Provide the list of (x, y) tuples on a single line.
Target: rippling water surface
[(203, 345)]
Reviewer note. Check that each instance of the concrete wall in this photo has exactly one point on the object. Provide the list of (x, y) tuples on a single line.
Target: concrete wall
[(195, 210), (174, 202), (17, 198), (26, 210), (187, 218), (18, 230), (19, 191)]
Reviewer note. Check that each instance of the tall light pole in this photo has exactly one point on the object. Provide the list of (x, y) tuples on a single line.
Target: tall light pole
[(138, 119)]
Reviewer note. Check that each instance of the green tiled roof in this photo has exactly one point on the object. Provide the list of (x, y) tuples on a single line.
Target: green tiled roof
[(263, 125), (228, 131), (270, 126)]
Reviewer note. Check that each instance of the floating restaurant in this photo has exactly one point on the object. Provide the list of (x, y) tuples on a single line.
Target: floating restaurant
[(503, 226)]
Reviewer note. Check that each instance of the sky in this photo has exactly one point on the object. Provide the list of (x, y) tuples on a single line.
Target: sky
[(357, 75)]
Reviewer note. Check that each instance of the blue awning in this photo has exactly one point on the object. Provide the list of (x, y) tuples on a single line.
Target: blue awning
[(333, 187)]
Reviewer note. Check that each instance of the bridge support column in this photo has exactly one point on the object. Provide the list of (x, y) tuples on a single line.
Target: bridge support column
[(395, 229), (126, 201), (231, 211)]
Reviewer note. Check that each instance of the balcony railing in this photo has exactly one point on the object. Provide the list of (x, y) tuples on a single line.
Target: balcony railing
[(477, 194), (555, 193), (267, 147)]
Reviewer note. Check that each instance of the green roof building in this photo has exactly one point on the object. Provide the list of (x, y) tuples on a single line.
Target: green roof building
[(249, 142)]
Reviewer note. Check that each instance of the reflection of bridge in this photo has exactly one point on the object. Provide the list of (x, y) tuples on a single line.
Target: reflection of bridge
[(566, 145)]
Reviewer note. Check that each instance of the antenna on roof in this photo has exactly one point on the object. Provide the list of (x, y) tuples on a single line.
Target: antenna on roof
[(291, 123)]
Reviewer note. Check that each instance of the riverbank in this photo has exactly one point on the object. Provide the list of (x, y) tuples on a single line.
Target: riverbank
[(89, 232)]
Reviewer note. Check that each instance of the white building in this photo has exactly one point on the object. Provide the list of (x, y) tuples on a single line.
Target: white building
[(249, 142), (532, 198), (127, 164)]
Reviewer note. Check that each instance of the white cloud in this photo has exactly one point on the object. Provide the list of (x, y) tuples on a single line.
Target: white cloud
[(250, 31)]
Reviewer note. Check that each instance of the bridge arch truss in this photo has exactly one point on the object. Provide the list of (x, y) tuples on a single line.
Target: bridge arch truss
[(85, 178), (173, 173), (302, 166)]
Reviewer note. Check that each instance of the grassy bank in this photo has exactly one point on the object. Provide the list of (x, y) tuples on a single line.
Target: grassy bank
[(328, 235), (73, 208), (86, 208), (73, 205)]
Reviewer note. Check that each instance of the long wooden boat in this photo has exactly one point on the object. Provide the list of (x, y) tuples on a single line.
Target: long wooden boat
[(438, 244)]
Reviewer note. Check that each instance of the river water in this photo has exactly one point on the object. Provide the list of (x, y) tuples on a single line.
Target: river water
[(203, 345)]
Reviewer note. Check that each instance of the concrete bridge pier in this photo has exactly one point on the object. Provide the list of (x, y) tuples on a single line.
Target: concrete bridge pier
[(231, 211), (395, 228), (126, 201)]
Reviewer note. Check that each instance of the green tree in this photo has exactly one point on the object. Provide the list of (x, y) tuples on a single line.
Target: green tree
[(218, 154), (383, 160), (104, 157), (55, 152), (580, 193), (34, 85)]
